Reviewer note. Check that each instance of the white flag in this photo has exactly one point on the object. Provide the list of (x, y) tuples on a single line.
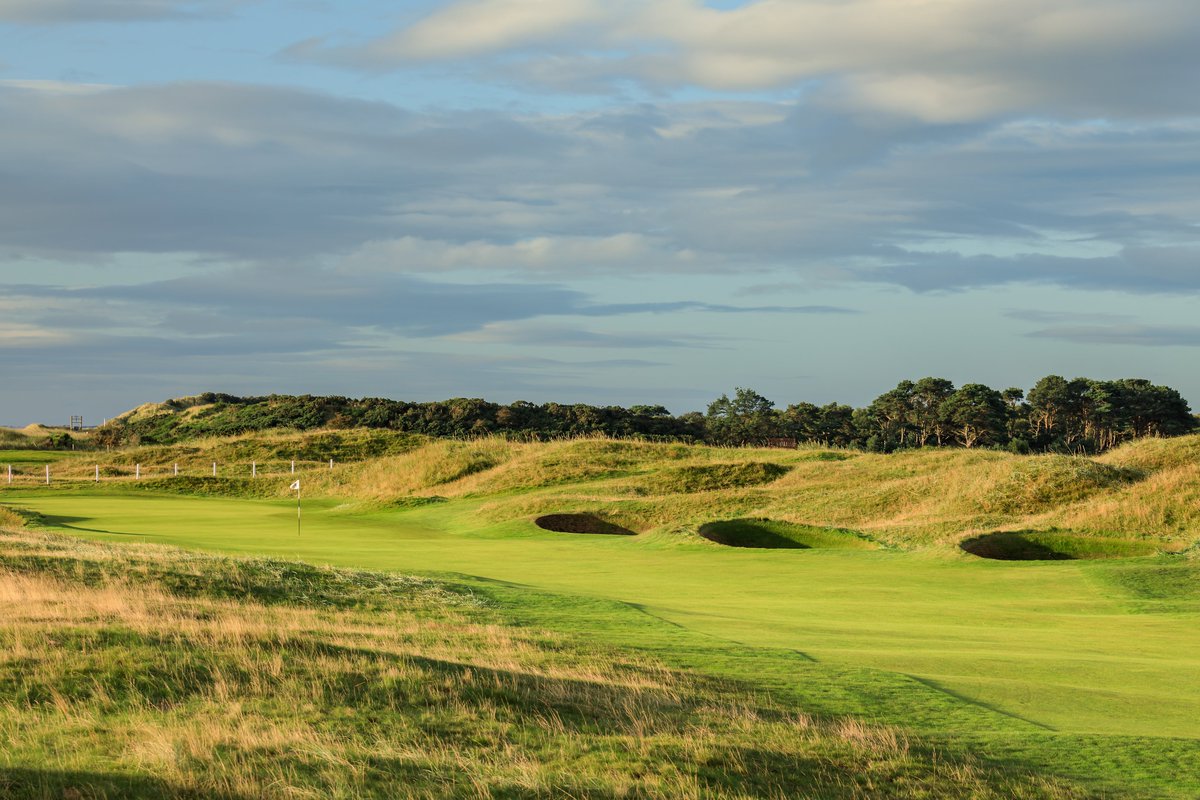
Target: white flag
[(295, 486)]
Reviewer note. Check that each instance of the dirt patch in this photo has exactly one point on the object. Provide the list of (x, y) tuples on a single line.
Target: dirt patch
[(1054, 546), (581, 523), (777, 535)]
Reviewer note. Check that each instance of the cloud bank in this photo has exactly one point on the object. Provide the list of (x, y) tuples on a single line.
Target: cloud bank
[(247, 174), (939, 60)]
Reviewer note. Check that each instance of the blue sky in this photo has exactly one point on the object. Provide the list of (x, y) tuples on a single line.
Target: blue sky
[(586, 201)]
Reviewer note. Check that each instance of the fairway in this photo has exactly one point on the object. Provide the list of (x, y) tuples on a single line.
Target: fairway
[(1070, 665)]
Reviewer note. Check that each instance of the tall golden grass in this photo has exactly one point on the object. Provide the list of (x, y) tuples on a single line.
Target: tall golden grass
[(1145, 489)]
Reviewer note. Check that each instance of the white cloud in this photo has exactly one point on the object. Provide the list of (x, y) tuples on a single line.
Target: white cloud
[(559, 254), (15, 334), (940, 60), (56, 87), (261, 175)]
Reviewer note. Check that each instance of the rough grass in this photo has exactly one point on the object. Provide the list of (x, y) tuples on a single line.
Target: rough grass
[(1039, 483), (981, 654), (928, 498), (713, 477), (275, 449), (151, 673)]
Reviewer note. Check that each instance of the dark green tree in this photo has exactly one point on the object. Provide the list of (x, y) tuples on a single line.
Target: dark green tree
[(927, 397), (747, 418), (977, 415)]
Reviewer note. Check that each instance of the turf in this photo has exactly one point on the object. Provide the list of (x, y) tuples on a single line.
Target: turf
[(1045, 664), (155, 673), (1083, 668), (24, 458)]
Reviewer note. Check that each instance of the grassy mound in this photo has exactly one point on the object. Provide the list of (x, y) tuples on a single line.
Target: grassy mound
[(581, 523), (1055, 546), (774, 534), (1044, 482), (274, 449), (712, 477), (150, 673)]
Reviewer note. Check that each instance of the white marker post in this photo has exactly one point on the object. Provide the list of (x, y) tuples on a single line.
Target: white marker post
[(176, 470), (10, 473), (47, 474), (137, 472), (214, 469), (296, 486), (293, 466), (253, 469), (97, 473), (331, 465)]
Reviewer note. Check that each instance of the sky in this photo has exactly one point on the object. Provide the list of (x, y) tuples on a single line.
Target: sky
[(597, 201)]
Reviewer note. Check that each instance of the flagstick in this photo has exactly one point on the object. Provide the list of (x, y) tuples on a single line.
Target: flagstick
[(297, 510)]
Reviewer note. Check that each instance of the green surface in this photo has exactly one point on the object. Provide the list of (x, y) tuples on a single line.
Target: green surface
[(22, 458), (1085, 668), (159, 673)]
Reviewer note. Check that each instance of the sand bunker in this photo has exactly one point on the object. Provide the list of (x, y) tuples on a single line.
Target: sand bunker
[(581, 523), (1054, 546), (774, 534)]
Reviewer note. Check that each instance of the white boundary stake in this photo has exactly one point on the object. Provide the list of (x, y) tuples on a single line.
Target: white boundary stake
[(137, 472), (176, 470), (253, 469), (10, 473), (331, 463), (293, 466), (214, 469), (47, 474), (97, 473)]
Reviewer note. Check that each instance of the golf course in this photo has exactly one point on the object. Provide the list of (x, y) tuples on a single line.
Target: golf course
[(1036, 615)]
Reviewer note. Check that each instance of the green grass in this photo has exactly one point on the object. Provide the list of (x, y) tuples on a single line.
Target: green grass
[(153, 673), (24, 458), (1088, 669)]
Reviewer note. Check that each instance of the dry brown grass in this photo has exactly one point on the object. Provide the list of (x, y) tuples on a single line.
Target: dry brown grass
[(116, 686)]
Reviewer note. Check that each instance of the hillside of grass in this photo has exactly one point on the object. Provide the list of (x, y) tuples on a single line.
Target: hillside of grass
[(838, 583), (150, 672), (928, 498), (1146, 491)]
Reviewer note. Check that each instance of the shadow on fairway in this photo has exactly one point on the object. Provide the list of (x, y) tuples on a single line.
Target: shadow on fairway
[(56, 521), (581, 523), (23, 782)]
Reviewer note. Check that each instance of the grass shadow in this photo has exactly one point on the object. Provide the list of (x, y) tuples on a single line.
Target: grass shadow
[(17, 783), (581, 523)]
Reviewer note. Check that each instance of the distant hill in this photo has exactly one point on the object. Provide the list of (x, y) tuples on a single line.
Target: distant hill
[(214, 414)]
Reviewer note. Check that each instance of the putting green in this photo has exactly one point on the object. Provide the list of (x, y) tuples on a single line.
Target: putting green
[(1060, 662)]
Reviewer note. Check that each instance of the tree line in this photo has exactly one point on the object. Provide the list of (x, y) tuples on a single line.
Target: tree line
[(1079, 415), (1057, 415)]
